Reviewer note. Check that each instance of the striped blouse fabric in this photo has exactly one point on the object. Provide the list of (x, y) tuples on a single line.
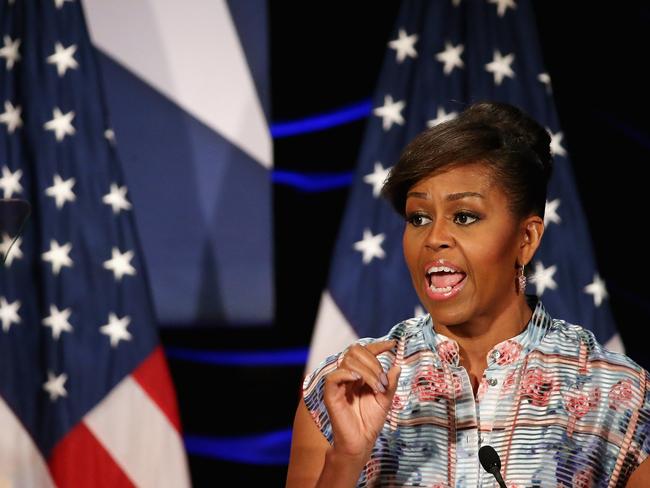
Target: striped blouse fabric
[(559, 409)]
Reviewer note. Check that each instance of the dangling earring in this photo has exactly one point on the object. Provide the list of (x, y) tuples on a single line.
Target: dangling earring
[(522, 281)]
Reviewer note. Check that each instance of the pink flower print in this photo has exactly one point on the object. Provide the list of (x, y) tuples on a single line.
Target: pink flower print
[(582, 479), (448, 351), (508, 352), (440, 485), (577, 404), (482, 388), (537, 387), (430, 384), (509, 382), (398, 402), (621, 394)]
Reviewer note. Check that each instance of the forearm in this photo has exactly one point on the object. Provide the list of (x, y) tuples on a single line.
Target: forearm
[(340, 471)]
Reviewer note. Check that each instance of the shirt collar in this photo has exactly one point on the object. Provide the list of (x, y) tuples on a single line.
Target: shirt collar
[(505, 352)]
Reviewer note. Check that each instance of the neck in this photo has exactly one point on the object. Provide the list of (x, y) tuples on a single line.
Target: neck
[(478, 336)]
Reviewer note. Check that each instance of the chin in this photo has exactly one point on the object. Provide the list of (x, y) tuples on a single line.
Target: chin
[(449, 314)]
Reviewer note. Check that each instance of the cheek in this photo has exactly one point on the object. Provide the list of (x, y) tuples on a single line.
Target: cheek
[(492, 256), (411, 248)]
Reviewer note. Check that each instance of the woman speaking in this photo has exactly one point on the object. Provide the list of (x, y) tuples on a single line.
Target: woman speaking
[(488, 365)]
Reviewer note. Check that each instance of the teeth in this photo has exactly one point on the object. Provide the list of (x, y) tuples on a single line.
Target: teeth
[(438, 269), (446, 289)]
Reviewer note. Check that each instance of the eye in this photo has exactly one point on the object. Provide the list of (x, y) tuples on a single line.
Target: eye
[(417, 219), (465, 218)]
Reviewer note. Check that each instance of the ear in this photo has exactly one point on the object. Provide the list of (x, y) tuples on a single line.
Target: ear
[(531, 231)]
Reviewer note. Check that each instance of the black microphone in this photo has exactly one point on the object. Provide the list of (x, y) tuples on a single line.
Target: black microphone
[(491, 463)]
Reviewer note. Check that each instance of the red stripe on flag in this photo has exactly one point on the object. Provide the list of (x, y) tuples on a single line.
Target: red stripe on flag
[(81, 460), (154, 378)]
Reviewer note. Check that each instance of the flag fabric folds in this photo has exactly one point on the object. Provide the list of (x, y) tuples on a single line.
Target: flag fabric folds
[(442, 56), (85, 395)]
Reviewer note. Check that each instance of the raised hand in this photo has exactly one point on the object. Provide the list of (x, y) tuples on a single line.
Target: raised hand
[(358, 397)]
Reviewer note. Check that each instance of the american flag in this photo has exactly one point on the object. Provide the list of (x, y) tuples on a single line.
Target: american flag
[(85, 395), (442, 56)]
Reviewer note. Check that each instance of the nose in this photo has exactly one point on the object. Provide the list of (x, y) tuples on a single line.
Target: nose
[(440, 235)]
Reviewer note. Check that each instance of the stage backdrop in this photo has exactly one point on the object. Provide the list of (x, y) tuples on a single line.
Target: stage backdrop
[(187, 91)]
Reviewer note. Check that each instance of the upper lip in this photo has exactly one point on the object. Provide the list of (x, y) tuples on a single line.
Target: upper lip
[(441, 263)]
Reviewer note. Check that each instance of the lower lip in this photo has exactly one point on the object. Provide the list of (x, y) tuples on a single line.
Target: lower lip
[(444, 296)]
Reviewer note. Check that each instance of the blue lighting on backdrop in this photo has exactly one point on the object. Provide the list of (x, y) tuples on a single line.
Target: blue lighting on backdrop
[(320, 122)]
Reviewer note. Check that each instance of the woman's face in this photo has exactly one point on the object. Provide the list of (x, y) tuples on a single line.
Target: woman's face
[(461, 244)]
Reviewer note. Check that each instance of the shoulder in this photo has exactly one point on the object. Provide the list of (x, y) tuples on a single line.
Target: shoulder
[(568, 338), (577, 356)]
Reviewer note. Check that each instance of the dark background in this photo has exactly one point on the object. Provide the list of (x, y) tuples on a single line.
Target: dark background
[(325, 56)]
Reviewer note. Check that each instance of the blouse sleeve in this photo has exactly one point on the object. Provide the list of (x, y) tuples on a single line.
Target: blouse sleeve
[(641, 439), (312, 390)]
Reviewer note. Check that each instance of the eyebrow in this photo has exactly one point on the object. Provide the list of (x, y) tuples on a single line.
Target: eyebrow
[(450, 198)]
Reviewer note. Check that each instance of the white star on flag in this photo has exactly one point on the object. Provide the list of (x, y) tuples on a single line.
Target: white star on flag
[(543, 278), (109, 134), (61, 124), (390, 112), (550, 212), (55, 385), (597, 289), (377, 178), (58, 321), (546, 79), (500, 66), (116, 198), (556, 143), (9, 251), (10, 51), (451, 57), (10, 182), (503, 5), (59, 3), (116, 329), (11, 117), (404, 45), (441, 116), (120, 264), (370, 246), (9, 313), (58, 256), (63, 57), (61, 191)]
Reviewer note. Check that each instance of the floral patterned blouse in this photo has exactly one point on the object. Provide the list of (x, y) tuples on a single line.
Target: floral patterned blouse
[(559, 409)]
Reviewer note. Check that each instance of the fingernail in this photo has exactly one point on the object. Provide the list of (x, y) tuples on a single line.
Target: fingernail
[(381, 388), (356, 375), (384, 379)]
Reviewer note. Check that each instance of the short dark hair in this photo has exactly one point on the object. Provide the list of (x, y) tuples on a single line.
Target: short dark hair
[(510, 143)]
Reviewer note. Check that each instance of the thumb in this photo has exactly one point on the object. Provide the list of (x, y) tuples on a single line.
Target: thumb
[(393, 377)]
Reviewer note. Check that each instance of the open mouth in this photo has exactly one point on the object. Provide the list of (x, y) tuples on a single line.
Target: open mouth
[(443, 279)]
